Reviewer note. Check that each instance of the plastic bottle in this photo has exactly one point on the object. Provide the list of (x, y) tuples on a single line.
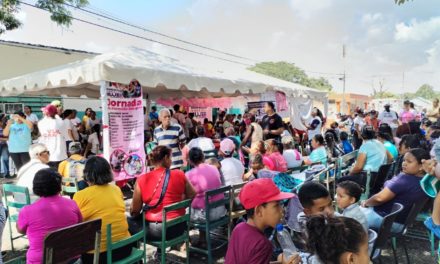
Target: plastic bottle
[(285, 241)]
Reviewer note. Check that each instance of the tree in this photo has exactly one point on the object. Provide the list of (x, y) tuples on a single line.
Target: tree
[(291, 73), (400, 2), (426, 91), (58, 9)]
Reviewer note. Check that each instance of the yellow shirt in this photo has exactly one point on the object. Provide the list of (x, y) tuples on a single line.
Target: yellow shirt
[(105, 202), (85, 121), (64, 168)]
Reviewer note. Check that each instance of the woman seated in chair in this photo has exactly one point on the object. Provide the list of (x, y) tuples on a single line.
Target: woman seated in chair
[(292, 156), (372, 154), (319, 153), (203, 177), (385, 135), (404, 189), (273, 153), (50, 212), (103, 200), (148, 190)]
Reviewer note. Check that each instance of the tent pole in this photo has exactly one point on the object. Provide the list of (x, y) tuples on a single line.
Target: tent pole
[(105, 120)]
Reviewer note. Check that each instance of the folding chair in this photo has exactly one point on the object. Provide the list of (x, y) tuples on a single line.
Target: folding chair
[(235, 214), (65, 244), (9, 191), (378, 182), (412, 215), (163, 244), (384, 232), (209, 225), (69, 186), (137, 255)]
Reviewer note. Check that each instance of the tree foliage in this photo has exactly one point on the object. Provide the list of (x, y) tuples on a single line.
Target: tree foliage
[(400, 2), (60, 13), (425, 91), (291, 73)]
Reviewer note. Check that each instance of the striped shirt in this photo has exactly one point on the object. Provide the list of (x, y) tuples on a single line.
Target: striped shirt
[(171, 138)]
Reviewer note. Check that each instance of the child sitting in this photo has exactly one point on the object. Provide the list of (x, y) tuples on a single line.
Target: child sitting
[(261, 199), (273, 153), (346, 145), (348, 194), (336, 240)]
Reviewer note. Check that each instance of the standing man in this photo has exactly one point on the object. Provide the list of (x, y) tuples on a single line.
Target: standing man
[(153, 114), (433, 113), (272, 123), (389, 117), (170, 135)]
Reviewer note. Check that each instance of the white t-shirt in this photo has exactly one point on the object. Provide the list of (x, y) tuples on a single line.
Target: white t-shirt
[(32, 117), (74, 130), (312, 132), (359, 121), (93, 139), (232, 170), (204, 143), (76, 121), (69, 126), (293, 158), (389, 118), (26, 176), (91, 122), (53, 136)]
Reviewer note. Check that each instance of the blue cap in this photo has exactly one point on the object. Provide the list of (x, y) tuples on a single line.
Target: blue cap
[(279, 227)]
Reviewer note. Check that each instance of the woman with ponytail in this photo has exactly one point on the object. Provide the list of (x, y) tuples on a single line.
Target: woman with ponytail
[(336, 240)]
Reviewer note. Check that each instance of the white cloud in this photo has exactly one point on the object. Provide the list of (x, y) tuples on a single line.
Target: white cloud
[(417, 31), (371, 18), (307, 8)]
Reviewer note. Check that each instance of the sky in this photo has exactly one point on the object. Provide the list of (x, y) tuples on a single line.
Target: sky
[(387, 45)]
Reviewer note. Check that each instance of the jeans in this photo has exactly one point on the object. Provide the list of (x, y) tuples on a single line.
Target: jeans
[(20, 159), (4, 159), (375, 220)]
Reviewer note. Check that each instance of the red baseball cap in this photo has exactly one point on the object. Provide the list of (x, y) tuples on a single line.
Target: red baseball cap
[(261, 191)]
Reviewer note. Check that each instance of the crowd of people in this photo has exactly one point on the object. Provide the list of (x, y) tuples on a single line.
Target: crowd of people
[(187, 158)]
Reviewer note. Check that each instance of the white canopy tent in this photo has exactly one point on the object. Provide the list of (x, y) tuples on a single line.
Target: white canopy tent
[(160, 76)]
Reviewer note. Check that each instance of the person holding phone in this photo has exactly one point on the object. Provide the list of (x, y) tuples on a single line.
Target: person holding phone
[(18, 130)]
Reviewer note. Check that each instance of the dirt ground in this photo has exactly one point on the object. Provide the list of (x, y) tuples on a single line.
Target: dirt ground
[(419, 250)]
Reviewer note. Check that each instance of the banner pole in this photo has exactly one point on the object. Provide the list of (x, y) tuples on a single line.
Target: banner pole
[(105, 120)]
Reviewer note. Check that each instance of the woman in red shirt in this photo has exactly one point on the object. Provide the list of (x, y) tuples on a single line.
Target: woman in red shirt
[(148, 190)]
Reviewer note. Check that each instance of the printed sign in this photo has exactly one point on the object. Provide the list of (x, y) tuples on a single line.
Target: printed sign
[(201, 113), (126, 129), (257, 108)]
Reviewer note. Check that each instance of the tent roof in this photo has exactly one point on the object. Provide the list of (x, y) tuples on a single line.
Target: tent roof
[(158, 74)]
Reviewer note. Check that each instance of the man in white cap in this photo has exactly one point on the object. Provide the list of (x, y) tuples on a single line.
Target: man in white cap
[(232, 168), (389, 117)]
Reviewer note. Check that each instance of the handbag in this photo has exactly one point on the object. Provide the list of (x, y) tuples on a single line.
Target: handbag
[(147, 207)]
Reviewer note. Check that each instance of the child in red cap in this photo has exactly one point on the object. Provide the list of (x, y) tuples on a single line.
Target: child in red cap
[(261, 199)]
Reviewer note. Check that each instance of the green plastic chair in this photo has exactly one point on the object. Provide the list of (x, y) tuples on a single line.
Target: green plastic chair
[(18, 260), (167, 223), (136, 254), (69, 186), (9, 190), (208, 226)]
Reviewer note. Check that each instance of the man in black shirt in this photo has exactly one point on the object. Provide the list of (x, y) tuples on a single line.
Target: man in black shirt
[(272, 123)]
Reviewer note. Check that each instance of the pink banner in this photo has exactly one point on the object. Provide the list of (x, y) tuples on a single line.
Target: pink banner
[(200, 113), (126, 127), (281, 101), (193, 102)]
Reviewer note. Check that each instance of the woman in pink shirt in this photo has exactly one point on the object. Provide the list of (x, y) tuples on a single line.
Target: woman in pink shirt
[(406, 115), (50, 212), (273, 152), (203, 177)]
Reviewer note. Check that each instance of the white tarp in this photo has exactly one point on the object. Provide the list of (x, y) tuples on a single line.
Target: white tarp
[(158, 74)]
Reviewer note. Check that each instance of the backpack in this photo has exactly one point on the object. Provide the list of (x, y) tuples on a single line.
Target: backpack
[(76, 168)]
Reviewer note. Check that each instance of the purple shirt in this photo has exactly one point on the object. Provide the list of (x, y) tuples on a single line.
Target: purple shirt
[(406, 116), (204, 178), (45, 215), (407, 191), (248, 245)]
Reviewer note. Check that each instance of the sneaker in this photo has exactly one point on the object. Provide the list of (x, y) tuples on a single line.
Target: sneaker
[(432, 227)]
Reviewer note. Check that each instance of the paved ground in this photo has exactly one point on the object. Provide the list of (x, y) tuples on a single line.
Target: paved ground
[(419, 250)]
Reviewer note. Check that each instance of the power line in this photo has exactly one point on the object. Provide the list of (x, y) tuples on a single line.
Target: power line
[(118, 20), (140, 37)]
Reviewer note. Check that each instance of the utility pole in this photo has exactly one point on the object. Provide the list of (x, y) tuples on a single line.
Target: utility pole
[(343, 108)]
